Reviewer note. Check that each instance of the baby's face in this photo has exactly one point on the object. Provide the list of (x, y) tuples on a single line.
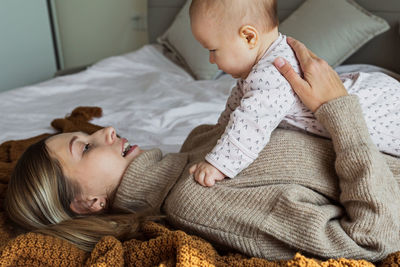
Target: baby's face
[(227, 49)]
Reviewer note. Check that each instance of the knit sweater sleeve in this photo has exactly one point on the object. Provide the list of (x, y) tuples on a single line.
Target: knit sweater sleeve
[(368, 191), (292, 199)]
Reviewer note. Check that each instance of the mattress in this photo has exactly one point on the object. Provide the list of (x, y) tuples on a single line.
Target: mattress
[(146, 96)]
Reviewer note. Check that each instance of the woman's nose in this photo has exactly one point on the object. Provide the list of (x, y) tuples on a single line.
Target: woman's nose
[(110, 135)]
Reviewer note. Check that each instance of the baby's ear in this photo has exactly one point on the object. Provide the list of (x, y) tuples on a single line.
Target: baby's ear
[(250, 35)]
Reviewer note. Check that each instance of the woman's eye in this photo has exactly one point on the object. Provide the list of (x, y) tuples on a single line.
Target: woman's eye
[(86, 148)]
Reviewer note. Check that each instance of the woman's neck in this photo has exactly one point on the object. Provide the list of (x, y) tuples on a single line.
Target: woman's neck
[(148, 180)]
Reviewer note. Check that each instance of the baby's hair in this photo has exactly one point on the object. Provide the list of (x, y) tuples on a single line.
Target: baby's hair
[(261, 14)]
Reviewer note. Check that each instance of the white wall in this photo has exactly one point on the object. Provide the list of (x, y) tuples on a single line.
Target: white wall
[(90, 30), (26, 46)]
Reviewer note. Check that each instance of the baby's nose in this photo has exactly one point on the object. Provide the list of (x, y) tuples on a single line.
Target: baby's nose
[(211, 59)]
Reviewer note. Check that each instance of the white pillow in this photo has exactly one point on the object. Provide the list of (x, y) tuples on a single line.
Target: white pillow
[(179, 39), (333, 29)]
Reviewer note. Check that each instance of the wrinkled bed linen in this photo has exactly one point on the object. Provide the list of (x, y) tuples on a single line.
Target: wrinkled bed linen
[(145, 96), (149, 99)]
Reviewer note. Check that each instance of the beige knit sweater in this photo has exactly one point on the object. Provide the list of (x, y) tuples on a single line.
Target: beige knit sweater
[(290, 199)]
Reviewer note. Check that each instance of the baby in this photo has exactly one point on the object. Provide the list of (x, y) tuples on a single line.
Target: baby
[(243, 40)]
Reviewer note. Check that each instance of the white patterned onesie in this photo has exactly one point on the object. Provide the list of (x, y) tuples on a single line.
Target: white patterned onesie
[(265, 100)]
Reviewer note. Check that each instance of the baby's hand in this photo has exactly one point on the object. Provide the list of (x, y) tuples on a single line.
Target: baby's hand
[(206, 174)]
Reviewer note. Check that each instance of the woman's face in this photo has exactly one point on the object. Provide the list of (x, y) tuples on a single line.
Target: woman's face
[(96, 162)]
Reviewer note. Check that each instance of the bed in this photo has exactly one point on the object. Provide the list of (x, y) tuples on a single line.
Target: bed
[(155, 95), (145, 96), (150, 99)]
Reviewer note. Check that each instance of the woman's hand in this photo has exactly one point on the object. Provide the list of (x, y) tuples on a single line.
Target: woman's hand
[(320, 84)]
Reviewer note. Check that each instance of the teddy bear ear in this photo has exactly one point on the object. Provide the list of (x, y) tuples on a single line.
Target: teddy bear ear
[(78, 120), (86, 113)]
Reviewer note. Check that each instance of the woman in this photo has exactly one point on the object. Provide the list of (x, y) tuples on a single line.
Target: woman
[(292, 198)]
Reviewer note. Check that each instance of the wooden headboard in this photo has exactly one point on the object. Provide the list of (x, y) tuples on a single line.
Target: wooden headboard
[(383, 50)]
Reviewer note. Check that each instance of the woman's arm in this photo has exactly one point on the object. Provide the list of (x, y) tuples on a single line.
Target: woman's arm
[(369, 192)]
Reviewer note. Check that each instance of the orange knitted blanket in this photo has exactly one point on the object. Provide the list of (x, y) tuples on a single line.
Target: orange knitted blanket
[(162, 247)]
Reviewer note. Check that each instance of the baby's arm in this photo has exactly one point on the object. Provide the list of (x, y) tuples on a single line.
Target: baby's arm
[(205, 173), (232, 103), (268, 98)]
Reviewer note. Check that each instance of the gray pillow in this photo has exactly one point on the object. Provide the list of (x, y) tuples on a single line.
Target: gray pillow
[(333, 29), (179, 39)]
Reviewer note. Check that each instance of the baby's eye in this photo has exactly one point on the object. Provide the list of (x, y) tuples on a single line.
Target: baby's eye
[(213, 50), (87, 147)]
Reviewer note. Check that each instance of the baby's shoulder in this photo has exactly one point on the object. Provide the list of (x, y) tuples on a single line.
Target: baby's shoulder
[(264, 69), (280, 49)]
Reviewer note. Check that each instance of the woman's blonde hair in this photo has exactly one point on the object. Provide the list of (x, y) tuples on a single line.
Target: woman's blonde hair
[(38, 199)]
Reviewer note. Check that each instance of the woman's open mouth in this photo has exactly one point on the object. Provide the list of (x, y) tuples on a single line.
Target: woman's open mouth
[(127, 148)]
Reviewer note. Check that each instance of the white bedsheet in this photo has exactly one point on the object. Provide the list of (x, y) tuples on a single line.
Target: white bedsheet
[(145, 96)]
